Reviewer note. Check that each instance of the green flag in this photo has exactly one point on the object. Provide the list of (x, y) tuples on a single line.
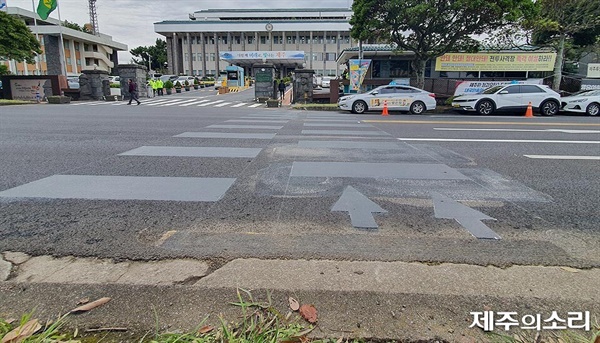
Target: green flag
[(45, 7)]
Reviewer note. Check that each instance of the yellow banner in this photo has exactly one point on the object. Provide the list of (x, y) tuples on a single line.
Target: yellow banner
[(496, 62)]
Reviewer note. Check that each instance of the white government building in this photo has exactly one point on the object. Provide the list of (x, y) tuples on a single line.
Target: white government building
[(289, 38)]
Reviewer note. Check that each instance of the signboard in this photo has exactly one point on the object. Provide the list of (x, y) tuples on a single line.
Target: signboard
[(496, 62), (587, 84), (358, 71), (29, 89), (259, 55), (593, 70), (474, 87)]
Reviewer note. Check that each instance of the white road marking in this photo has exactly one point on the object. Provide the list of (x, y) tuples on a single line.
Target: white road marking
[(194, 103), (255, 105), (559, 157), (517, 130), (177, 103), (495, 140), (210, 103), (223, 104), (239, 105), (163, 103)]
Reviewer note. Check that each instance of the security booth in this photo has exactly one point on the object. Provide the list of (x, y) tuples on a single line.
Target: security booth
[(235, 76), (264, 75)]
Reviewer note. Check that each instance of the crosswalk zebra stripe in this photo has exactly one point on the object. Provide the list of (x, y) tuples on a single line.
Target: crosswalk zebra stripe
[(255, 105), (119, 103), (194, 103), (239, 105), (210, 103), (85, 103), (177, 103), (162, 103), (223, 104)]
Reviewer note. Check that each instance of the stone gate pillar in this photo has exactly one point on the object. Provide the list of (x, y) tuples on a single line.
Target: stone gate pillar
[(137, 73), (303, 85)]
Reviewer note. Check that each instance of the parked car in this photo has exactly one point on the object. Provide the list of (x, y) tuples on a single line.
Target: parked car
[(114, 80), (166, 78), (587, 102), (219, 82), (325, 81), (207, 81), (510, 98), (397, 98), (182, 79), (73, 82)]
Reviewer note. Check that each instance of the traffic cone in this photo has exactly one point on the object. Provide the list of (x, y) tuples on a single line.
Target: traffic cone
[(385, 109), (529, 112)]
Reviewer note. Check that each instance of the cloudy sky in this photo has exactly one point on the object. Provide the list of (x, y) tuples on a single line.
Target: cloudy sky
[(131, 21)]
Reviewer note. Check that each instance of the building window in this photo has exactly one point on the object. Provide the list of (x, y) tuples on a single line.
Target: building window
[(263, 40), (184, 40), (68, 60), (198, 40), (95, 48), (78, 62), (193, 57), (86, 47), (237, 39), (301, 39), (212, 56), (76, 46), (330, 56), (224, 39), (250, 39)]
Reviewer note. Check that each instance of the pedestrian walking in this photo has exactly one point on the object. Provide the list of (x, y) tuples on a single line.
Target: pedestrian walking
[(281, 89), (133, 92)]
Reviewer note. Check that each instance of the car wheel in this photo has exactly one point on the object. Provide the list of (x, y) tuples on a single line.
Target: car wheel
[(593, 109), (485, 107), (359, 107), (549, 108), (417, 107)]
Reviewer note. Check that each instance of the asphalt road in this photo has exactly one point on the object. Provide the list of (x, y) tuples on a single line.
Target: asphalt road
[(74, 181)]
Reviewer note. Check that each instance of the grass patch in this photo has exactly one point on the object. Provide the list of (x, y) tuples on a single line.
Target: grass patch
[(7, 102), (260, 322)]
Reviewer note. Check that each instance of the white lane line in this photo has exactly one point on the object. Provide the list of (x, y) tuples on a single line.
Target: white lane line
[(559, 157), (516, 130), (223, 104), (119, 103), (210, 103), (239, 105), (495, 140), (177, 103), (255, 105), (85, 103), (194, 103)]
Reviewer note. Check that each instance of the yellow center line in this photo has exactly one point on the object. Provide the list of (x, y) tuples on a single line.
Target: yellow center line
[(475, 123)]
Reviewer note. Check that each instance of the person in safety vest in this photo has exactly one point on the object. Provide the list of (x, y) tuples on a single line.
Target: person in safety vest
[(160, 85)]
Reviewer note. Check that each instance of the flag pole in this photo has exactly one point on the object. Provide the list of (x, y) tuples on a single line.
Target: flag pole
[(37, 36), (63, 60)]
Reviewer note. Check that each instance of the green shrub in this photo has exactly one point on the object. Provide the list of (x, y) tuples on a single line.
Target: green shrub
[(169, 84), (177, 84), (115, 85)]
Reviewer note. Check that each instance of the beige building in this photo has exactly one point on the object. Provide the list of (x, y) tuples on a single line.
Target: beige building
[(201, 45), (81, 50)]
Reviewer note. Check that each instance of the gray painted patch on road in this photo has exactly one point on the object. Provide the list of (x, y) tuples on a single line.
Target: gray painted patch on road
[(348, 145), (175, 151), (123, 188), (337, 125), (231, 135), (470, 219), (343, 132), (376, 170), (264, 127)]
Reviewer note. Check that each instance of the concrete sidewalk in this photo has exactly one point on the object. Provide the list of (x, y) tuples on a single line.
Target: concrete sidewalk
[(387, 300)]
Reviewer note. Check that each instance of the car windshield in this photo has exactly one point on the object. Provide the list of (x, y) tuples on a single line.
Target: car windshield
[(492, 90)]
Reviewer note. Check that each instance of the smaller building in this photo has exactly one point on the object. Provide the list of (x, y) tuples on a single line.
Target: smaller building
[(79, 51)]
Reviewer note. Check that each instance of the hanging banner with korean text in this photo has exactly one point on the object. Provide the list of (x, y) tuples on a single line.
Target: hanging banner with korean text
[(496, 62)]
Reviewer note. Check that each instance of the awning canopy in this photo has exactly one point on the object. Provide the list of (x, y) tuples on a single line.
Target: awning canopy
[(248, 58)]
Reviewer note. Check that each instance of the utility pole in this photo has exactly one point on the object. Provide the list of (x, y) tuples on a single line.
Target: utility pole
[(94, 18)]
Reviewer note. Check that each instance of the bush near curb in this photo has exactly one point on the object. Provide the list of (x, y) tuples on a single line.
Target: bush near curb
[(8, 102), (59, 99)]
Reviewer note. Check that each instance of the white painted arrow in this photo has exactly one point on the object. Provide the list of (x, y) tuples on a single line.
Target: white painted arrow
[(359, 207)]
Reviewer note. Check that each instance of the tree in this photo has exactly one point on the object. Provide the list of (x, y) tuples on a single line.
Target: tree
[(156, 53), (77, 27), (16, 40), (564, 24), (431, 28)]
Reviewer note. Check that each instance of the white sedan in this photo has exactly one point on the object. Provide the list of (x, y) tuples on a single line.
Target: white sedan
[(396, 97), (587, 102)]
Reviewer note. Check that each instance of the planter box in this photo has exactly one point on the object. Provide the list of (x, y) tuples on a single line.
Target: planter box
[(59, 99), (169, 91), (113, 98), (115, 91), (196, 86), (272, 103), (262, 100), (187, 89), (177, 90)]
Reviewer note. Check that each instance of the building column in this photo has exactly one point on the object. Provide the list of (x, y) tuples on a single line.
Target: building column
[(189, 51), (243, 38), (203, 52), (284, 40), (175, 54), (324, 52), (256, 41), (229, 40), (73, 56), (311, 51), (271, 39), (170, 59), (217, 69), (297, 40)]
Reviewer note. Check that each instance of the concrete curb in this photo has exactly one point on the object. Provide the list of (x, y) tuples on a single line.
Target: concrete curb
[(385, 300)]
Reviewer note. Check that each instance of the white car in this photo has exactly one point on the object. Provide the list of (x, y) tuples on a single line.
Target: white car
[(326, 81), (397, 98), (512, 97), (587, 102), (182, 79)]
